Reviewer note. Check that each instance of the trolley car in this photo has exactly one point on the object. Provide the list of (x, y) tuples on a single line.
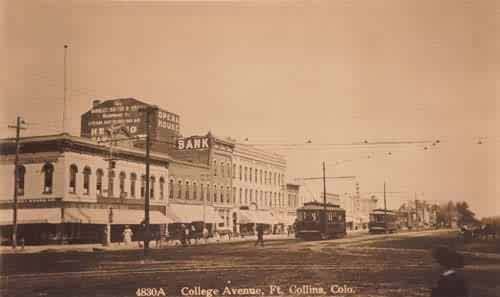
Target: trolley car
[(383, 221), (313, 223)]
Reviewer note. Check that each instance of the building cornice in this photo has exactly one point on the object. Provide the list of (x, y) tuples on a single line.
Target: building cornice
[(67, 143)]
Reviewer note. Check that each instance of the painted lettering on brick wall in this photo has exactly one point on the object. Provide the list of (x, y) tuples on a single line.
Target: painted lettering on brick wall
[(193, 143)]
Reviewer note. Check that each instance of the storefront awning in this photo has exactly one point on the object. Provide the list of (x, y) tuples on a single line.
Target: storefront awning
[(187, 213), (31, 216), (289, 219), (119, 217), (247, 217), (86, 215), (135, 217), (258, 217)]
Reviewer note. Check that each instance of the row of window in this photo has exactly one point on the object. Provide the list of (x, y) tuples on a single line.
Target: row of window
[(188, 191), (224, 194), (48, 171), (248, 174), (123, 193), (261, 198), (181, 190), (293, 201)]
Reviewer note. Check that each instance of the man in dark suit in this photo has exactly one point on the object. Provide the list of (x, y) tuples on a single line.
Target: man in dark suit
[(260, 235), (450, 283)]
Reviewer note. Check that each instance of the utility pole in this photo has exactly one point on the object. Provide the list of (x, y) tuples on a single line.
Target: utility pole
[(148, 110), (385, 201), (325, 228), (417, 217), (18, 128)]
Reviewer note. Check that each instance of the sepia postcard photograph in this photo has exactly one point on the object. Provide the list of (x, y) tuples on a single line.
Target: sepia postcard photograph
[(250, 148)]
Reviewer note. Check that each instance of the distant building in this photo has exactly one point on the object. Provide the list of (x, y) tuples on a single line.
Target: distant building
[(259, 185)]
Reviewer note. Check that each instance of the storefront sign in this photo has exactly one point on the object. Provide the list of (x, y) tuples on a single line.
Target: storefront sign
[(193, 143)]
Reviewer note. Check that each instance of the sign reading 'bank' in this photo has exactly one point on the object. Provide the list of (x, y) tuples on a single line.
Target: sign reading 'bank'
[(193, 143)]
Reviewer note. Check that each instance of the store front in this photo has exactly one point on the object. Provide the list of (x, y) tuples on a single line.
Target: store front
[(76, 225)]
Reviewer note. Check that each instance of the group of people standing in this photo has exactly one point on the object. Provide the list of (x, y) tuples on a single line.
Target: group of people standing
[(189, 233)]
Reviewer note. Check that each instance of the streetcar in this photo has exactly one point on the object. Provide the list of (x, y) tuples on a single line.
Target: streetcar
[(383, 221), (310, 223)]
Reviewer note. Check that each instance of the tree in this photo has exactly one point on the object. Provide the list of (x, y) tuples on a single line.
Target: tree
[(446, 214), (464, 215)]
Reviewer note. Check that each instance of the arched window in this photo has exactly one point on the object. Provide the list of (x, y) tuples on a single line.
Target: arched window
[(48, 179), (179, 189), (234, 195), (222, 169), (143, 186), (246, 196), (171, 189), (133, 180), (246, 173), (215, 193), (256, 175), (234, 170), (21, 172), (202, 192), (240, 172), (86, 180), (98, 185), (162, 188), (111, 184), (250, 174), (215, 167), (228, 170), (152, 181), (221, 194), (122, 184), (241, 196), (195, 191), (251, 195), (73, 170), (186, 194), (208, 192), (260, 175), (228, 194)]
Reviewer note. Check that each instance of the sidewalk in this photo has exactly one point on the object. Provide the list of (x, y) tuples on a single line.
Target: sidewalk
[(120, 246)]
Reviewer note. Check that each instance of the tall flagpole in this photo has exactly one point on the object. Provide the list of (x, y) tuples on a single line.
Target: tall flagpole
[(65, 88)]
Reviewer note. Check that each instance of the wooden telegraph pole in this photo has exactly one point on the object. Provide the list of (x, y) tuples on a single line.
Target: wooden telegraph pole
[(18, 128), (325, 222), (148, 110)]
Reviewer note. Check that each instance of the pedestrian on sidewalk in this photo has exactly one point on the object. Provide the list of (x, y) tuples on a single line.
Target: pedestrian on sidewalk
[(260, 235), (183, 235), (205, 234), (187, 232), (450, 283), (127, 235)]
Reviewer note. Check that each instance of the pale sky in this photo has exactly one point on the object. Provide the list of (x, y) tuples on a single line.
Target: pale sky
[(283, 72)]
